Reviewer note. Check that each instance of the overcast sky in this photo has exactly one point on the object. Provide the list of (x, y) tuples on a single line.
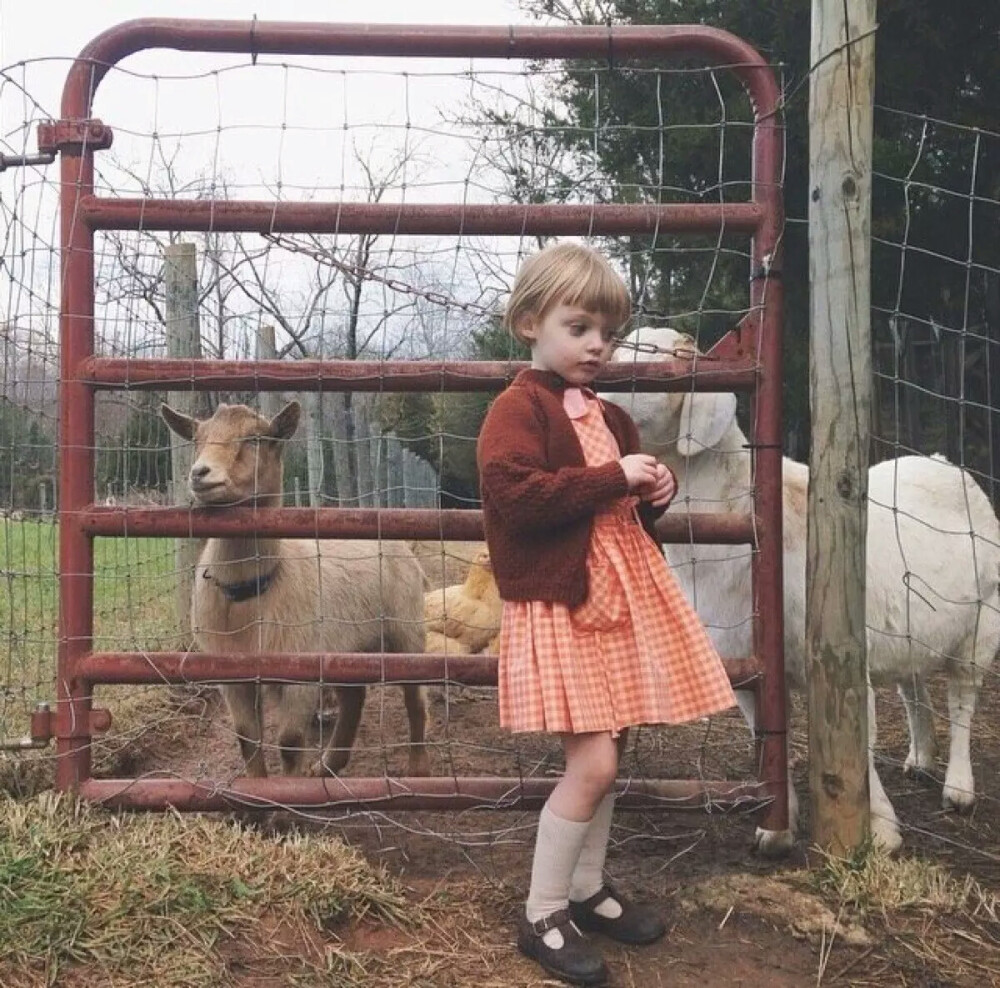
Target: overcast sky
[(57, 30), (256, 128), (47, 28)]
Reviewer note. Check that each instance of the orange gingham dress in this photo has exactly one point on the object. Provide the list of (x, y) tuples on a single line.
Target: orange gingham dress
[(634, 652)]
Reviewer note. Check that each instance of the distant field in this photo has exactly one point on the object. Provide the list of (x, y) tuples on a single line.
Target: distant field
[(133, 603)]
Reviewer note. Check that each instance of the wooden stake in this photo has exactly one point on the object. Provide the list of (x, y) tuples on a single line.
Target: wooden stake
[(840, 175)]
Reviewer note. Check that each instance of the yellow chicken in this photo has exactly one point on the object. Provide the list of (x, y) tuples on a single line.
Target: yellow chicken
[(464, 618)]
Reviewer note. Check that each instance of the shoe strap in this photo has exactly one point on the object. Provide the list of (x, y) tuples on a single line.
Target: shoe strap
[(554, 920), (606, 891)]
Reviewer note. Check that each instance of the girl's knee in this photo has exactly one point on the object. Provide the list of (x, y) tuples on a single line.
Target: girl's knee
[(595, 767)]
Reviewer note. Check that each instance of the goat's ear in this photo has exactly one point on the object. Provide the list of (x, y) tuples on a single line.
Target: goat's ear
[(284, 424), (178, 422), (705, 419)]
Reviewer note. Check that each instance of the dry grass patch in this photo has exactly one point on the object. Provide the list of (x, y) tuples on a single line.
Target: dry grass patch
[(773, 898), (934, 923), (872, 882)]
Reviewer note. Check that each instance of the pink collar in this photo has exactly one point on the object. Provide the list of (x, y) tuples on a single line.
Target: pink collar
[(576, 401)]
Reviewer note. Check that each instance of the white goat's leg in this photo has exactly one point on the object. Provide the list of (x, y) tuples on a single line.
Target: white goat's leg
[(350, 703), (883, 821), (920, 760), (770, 843), (415, 698), (959, 791), (245, 705), (747, 701)]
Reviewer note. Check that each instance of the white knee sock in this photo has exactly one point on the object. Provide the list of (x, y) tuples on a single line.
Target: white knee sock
[(557, 849), (588, 876)]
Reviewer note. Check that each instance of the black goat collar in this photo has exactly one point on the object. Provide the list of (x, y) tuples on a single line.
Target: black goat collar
[(247, 589)]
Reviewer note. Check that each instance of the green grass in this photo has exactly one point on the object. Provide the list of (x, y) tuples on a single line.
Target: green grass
[(155, 900), (133, 578), (134, 609)]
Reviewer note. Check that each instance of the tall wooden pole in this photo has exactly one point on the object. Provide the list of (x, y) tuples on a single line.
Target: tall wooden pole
[(180, 280), (840, 175)]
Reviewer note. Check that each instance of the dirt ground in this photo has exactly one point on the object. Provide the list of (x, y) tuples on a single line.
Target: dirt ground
[(690, 864)]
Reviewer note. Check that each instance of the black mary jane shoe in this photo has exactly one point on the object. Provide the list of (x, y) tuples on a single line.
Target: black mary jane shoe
[(576, 961), (636, 925)]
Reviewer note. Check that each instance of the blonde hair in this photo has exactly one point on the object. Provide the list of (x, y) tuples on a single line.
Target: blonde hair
[(570, 274)]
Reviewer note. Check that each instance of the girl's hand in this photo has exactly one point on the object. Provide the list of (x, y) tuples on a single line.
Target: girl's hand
[(640, 472), (664, 488)]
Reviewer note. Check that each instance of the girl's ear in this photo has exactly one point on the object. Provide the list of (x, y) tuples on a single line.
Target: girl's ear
[(527, 327), (705, 419)]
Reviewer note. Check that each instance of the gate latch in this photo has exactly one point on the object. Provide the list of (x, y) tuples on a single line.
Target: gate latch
[(43, 723)]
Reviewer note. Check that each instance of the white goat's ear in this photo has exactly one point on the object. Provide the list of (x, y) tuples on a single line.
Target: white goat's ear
[(705, 419), (178, 422), (284, 424)]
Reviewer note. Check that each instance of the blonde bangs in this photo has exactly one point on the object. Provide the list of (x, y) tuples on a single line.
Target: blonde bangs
[(601, 290)]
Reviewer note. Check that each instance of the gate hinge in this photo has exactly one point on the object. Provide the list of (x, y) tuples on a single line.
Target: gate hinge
[(43, 724), (74, 136)]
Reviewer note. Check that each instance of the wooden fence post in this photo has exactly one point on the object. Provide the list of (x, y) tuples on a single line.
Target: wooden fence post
[(840, 175), (180, 281), (270, 402)]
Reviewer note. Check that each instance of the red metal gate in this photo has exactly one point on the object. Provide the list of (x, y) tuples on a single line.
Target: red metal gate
[(748, 360)]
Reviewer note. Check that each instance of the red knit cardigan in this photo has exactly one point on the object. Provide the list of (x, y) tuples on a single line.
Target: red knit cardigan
[(539, 496)]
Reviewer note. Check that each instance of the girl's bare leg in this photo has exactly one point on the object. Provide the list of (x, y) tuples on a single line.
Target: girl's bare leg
[(591, 767)]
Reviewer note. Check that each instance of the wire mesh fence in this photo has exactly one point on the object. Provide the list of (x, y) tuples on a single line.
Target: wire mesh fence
[(582, 133), (473, 135), (936, 274)]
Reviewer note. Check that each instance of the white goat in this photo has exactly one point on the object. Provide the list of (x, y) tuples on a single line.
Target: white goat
[(933, 561), (254, 594)]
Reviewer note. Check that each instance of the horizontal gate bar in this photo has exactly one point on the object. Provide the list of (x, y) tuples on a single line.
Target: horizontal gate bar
[(385, 793), (604, 219), (332, 668), (465, 41), (449, 524), (371, 375)]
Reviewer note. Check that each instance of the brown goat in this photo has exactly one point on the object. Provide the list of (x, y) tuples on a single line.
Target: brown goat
[(254, 594)]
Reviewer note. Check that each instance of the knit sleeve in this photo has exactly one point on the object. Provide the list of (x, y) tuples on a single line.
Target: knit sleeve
[(514, 476)]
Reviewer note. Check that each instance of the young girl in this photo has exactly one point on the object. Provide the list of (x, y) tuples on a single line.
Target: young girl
[(596, 635)]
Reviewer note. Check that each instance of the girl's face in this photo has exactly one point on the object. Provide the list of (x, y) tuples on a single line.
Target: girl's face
[(570, 341)]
